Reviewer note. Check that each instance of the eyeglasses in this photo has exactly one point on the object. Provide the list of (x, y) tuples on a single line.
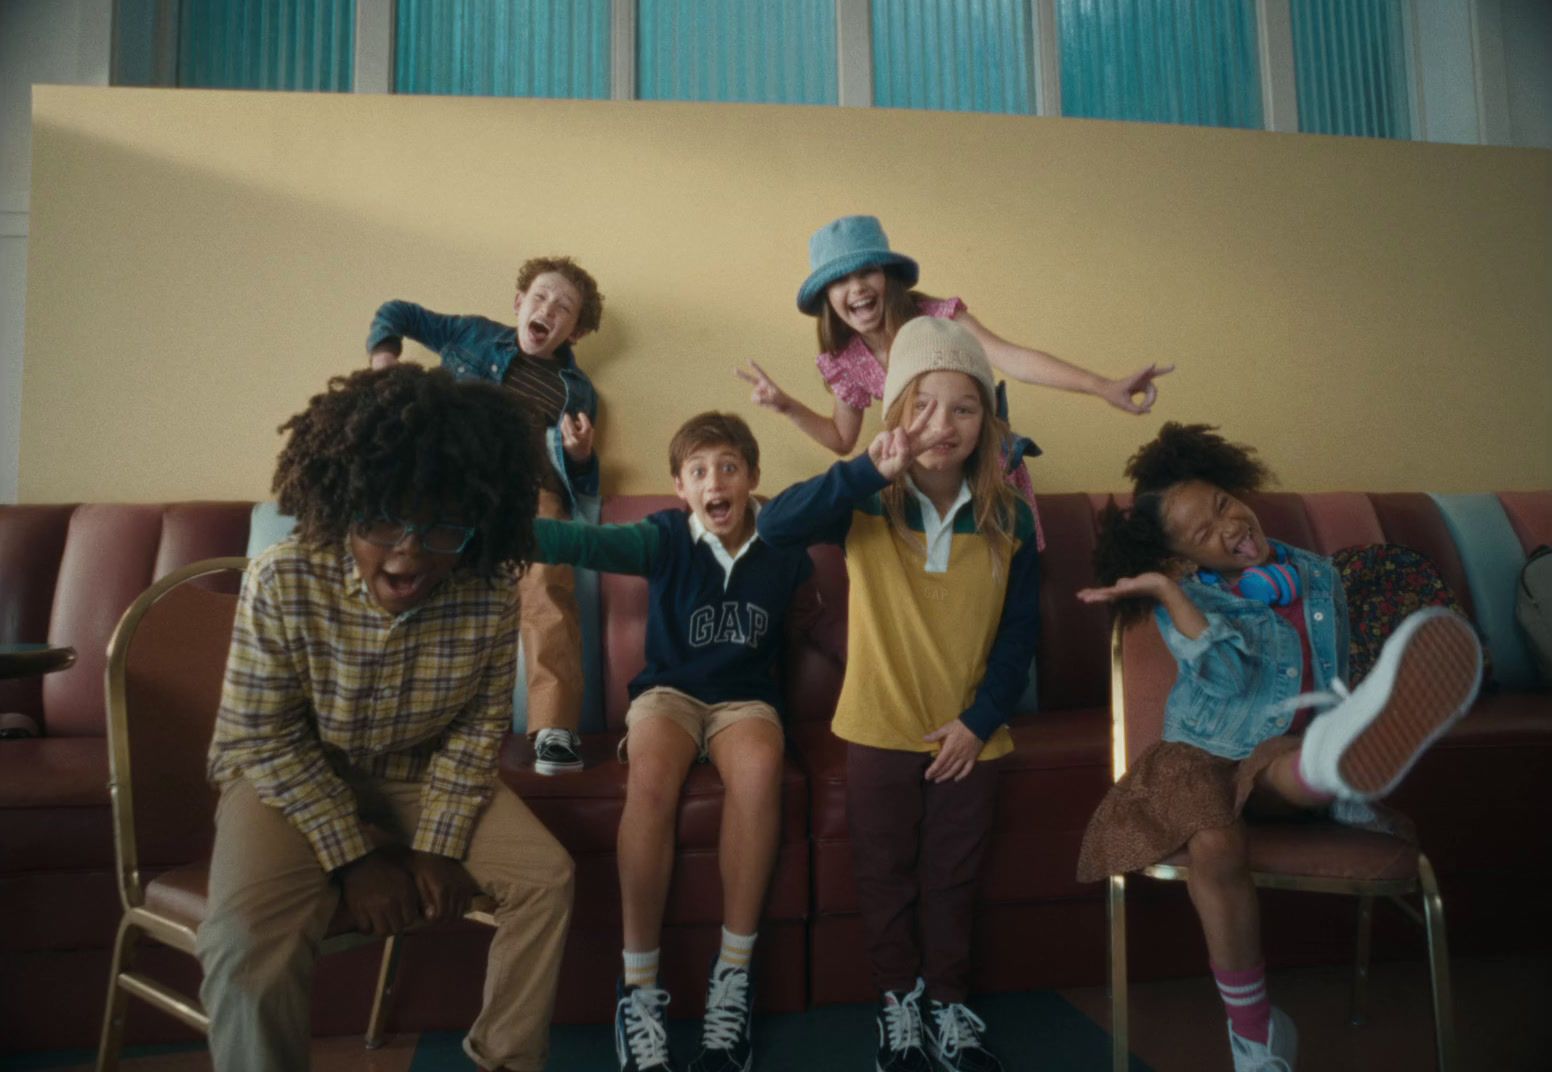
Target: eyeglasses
[(438, 537)]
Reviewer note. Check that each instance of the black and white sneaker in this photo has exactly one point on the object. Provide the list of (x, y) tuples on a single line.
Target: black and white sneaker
[(641, 1028), (900, 1033), (954, 1039), (557, 752), (727, 1033)]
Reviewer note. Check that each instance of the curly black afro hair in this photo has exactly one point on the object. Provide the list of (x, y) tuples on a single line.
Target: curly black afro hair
[(1184, 452), (1133, 541), (383, 440)]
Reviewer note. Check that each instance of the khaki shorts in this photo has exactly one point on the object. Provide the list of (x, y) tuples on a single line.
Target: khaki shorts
[(702, 721)]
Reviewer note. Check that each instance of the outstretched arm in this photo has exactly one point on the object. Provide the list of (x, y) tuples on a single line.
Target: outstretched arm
[(628, 548), (838, 432), (396, 319), (1186, 615), (1039, 367), (819, 510)]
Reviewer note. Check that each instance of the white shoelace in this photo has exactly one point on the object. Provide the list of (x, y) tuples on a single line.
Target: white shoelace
[(902, 1021), (645, 1033), (958, 1029), (727, 1010), (1325, 698), (545, 736)]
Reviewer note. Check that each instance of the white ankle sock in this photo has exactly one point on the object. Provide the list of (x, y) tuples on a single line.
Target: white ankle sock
[(736, 950), (640, 968)]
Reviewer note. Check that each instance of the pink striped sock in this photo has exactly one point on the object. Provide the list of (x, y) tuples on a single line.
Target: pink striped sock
[(1244, 997)]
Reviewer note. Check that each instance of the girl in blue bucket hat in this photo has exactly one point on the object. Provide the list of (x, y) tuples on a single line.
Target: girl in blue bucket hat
[(860, 292)]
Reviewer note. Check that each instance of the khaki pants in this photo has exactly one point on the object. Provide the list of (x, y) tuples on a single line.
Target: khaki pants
[(552, 637), (270, 903)]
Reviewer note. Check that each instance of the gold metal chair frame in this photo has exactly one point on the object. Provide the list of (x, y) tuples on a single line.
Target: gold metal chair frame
[(123, 981), (1431, 917)]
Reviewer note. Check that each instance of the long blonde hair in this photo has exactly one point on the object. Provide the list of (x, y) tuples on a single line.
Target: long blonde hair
[(994, 502)]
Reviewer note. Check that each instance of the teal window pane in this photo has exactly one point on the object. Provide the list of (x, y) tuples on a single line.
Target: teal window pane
[(1349, 59), (974, 56), (267, 44), (736, 50), (503, 48), (1161, 61)]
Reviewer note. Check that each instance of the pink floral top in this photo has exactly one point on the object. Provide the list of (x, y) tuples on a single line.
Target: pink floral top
[(856, 377)]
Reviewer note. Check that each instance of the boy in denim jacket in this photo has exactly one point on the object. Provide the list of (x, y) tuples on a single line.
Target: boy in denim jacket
[(557, 303)]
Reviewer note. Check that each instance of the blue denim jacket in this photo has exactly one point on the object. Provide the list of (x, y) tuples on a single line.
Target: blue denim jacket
[(472, 347), (1232, 678)]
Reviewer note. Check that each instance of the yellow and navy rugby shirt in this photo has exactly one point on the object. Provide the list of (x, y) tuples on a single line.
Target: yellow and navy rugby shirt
[(320, 675), (922, 647)]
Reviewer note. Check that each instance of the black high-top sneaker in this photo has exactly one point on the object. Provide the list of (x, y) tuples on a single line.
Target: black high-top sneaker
[(900, 1033), (641, 1029), (727, 1033), (954, 1038)]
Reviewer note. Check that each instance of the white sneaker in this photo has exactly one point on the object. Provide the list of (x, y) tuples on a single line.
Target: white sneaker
[(1279, 1053), (1425, 679)]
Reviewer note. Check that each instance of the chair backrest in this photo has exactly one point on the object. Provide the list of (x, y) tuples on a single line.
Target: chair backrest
[(166, 662), (1142, 671)]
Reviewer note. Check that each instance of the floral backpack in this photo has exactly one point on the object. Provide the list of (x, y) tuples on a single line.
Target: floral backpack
[(1384, 583)]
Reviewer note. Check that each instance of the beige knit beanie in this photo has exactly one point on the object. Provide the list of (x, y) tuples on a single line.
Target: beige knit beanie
[(931, 344)]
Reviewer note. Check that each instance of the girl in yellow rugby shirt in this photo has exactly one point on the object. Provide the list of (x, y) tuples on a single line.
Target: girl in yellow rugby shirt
[(942, 622)]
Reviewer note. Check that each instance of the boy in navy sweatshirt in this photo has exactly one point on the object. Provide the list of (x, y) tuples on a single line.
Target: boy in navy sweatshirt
[(718, 596)]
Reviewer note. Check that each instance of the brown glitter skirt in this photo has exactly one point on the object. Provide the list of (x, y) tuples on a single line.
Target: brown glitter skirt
[(1171, 792)]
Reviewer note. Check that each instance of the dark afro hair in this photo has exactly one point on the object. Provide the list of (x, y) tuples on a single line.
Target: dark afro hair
[(408, 437), (1133, 541), (1184, 452)]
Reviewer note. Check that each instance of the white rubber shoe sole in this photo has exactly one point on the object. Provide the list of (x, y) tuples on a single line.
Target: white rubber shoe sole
[(1425, 679)]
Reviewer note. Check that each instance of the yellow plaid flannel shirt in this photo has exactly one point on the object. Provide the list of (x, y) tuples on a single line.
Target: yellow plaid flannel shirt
[(317, 667)]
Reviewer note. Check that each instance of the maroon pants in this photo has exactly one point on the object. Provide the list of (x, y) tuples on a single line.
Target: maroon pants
[(917, 848)]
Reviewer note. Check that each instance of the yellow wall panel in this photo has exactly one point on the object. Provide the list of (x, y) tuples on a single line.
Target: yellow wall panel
[(1375, 315)]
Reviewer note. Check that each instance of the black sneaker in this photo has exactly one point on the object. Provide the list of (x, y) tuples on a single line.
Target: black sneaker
[(900, 1033), (728, 1030), (557, 752), (954, 1038), (641, 1028)]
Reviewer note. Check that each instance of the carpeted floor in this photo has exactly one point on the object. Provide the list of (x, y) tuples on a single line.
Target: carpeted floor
[(1501, 1021)]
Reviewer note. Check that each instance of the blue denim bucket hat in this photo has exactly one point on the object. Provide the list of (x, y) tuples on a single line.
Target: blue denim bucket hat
[(843, 246)]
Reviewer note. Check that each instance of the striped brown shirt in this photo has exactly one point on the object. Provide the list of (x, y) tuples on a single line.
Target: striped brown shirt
[(537, 383)]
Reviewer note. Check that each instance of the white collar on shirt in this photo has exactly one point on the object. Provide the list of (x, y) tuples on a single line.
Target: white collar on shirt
[(718, 551), (938, 531)]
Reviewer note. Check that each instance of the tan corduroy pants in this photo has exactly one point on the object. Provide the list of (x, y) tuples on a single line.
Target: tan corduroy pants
[(270, 903), (551, 631)]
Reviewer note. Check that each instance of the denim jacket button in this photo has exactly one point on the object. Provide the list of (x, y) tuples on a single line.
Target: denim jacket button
[(1320, 616), (1292, 672)]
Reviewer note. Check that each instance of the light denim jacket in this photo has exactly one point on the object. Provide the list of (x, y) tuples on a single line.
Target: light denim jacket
[(472, 347), (1232, 678)]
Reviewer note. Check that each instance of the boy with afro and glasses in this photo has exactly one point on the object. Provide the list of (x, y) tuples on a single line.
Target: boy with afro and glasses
[(557, 303), (368, 689)]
